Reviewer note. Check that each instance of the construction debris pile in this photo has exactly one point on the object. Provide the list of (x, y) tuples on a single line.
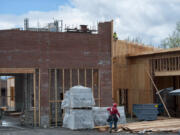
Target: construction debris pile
[(78, 103)]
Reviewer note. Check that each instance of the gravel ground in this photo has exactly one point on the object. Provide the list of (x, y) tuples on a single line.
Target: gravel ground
[(62, 131)]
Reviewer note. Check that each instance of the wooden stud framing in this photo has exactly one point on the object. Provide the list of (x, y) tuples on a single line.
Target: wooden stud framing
[(159, 94), (166, 61), (85, 78), (55, 86), (92, 74), (70, 77), (39, 98), (171, 67), (63, 86), (78, 76), (99, 88), (34, 78), (178, 63), (63, 81), (160, 64), (49, 97), (56, 101), (172, 63), (153, 64)]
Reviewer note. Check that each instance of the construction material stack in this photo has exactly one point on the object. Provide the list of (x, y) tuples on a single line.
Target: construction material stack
[(77, 105), (101, 114)]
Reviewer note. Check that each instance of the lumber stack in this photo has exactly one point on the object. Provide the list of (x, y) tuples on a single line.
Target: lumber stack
[(169, 125)]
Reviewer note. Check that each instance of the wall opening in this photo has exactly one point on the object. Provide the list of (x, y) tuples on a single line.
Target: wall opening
[(122, 96), (19, 98), (172, 102), (61, 80)]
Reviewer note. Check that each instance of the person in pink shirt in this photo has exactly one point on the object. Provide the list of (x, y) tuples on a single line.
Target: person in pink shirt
[(113, 119)]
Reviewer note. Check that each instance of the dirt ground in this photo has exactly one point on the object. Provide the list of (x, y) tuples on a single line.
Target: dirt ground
[(62, 131)]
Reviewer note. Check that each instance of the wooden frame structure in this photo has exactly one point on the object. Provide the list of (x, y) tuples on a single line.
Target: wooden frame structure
[(139, 68), (60, 80)]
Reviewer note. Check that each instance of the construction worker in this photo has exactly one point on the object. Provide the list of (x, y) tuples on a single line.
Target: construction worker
[(115, 36), (113, 119)]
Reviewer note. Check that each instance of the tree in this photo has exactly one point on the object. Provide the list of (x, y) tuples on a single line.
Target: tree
[(173, 40)]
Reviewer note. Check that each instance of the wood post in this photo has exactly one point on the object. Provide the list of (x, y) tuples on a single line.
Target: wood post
[(49, 97), (99, 88), (178, 63), (63, 81), (92, 74), (55, 87), (70, 77), (85, 78), (39, 98), (34, 78), (158, 94), (64, 85), (78, 76)]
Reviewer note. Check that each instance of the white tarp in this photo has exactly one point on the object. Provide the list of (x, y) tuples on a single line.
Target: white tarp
[(78, 119), (100, 115), (78, 97)]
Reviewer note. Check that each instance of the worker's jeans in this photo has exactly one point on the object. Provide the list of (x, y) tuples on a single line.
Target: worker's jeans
[(111, 123)]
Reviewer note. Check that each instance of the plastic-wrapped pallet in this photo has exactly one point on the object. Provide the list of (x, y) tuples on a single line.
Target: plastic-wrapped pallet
[(101, 114), (78, 119), (78, 97), (66, 101), (122, 119)]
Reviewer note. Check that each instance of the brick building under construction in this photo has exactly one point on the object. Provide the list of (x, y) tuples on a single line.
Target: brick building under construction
[(46, 64)]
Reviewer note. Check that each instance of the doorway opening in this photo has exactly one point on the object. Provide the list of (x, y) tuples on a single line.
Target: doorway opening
[(19, 98)]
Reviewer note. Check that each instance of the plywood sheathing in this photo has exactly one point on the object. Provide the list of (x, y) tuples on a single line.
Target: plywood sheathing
[(131, 75)]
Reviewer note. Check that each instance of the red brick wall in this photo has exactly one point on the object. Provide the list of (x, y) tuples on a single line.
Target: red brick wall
[(44, 50)]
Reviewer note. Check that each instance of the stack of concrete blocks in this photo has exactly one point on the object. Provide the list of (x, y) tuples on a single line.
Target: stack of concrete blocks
[(78, 103), (100, 115)]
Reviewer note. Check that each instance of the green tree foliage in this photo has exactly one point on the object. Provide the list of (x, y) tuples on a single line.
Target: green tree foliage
[(172, 40)]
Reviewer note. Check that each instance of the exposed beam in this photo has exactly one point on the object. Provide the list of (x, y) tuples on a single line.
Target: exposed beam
[(167, 73), (17, 70)]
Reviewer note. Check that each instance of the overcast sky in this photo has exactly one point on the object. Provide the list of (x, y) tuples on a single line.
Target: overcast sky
[(150, 20)]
